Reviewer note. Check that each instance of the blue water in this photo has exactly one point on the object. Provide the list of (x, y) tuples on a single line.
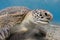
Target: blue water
[(51, 5)]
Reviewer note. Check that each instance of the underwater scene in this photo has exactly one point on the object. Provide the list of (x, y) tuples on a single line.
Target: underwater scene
[(29, 19)]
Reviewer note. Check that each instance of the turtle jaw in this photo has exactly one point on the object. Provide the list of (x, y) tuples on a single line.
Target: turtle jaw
[(42, 22), (39, 21)]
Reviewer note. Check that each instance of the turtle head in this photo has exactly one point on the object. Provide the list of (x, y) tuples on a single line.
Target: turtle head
[(40, 16)]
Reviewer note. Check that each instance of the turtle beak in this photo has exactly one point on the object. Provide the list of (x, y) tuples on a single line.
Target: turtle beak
[(50, 17)]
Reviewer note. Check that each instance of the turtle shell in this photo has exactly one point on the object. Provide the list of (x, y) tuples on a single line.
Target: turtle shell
[(12, 15)]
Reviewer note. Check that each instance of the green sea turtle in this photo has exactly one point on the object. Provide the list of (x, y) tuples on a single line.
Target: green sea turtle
[(21, 20)]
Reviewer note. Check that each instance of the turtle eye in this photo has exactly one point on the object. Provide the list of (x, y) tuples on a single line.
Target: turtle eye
[(46, 14)]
